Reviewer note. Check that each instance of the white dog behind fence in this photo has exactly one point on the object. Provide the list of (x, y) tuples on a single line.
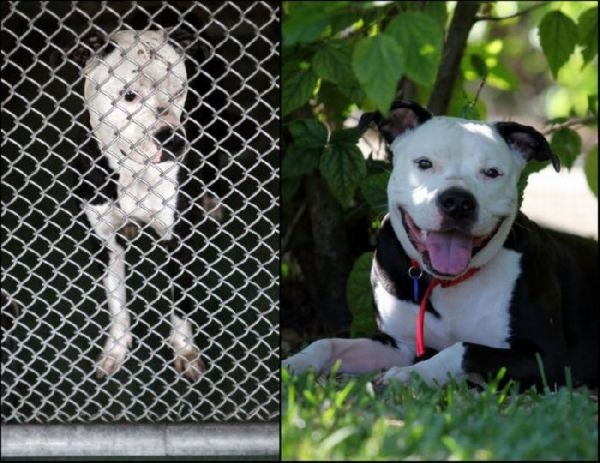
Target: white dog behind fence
[(135, 90)]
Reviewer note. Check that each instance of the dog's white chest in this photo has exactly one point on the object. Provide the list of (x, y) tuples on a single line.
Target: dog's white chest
[(476, 310), (149, 195)]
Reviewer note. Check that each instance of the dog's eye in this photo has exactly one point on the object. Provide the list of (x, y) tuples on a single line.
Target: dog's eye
[(492, 172), (423, 163), (129, 95)]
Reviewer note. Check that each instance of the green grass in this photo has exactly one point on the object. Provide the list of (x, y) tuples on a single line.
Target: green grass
[(328, 419)]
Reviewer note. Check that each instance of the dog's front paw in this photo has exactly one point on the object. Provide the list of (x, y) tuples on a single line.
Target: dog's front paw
[(113, 355), (318, 357), (214, 207), (397, 374), (300, 363), (187, 354), (189, 363)]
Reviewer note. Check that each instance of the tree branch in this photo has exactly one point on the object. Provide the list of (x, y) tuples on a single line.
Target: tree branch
[(570, 123), (515, 15), (286, 239), (456, 41)]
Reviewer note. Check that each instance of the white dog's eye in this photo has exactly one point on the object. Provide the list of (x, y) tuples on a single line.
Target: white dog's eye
[(129, 95), (423, 163), (492, 172)]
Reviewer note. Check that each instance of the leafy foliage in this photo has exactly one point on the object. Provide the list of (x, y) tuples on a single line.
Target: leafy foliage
[(359, 296)]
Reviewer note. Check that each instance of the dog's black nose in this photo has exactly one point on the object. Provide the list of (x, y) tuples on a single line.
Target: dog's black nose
[(457, 203), (172, 143)]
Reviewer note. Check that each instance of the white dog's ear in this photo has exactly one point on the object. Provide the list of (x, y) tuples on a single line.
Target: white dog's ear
[(528, 142), (404, 116)]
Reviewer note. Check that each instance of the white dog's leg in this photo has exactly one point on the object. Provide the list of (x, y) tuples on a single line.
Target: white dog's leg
[(187, 354), (105, 223), (356, 356)]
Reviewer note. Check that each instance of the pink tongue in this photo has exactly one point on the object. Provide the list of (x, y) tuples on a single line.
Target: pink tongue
[(449, 252)]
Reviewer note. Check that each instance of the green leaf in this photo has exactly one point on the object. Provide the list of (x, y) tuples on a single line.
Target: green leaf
[(303, 28), (333, 61), (289, 187), (374, 190), (421, 38), (501, 77), (566, 144), (360, 297), (343, 167), (588, 34), (299, 160), (352, 90), (309, 133), (304, 22), (334, 106), (297, 90), (378, 63), (593, 105), (438, 11), (309, 138), (469, 112), (479, 65), (591, 169), (350, 136), (558, 37)]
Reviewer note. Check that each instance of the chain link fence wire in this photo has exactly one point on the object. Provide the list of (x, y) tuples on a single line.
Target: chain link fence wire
[(54, 312)]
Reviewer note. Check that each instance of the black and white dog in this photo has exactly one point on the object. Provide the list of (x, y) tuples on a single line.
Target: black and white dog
[(464, 284), (135, 90)]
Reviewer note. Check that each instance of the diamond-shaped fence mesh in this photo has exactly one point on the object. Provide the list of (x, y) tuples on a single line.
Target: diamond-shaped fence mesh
[(55, 317)]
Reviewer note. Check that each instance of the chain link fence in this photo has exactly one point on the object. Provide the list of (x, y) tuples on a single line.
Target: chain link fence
[(54, 311)]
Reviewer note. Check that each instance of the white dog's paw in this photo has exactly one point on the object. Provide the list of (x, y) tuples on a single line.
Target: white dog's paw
[(187, 355), (214, 207), (189, 363), (113, 355), (425, 371), (300, 363), (435, 371), (317, 357), (293, 365), (397, 374)]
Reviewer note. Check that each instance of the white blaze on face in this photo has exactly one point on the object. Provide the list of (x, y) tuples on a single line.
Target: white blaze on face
[(135, 90)]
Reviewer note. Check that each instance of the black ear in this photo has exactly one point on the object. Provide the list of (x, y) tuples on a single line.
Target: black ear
[(527, 141), (189, 41), (89, 45), (182, 37), (404, 116)]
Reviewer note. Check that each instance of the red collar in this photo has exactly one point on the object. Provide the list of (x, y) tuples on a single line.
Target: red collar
[(414, 268)]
